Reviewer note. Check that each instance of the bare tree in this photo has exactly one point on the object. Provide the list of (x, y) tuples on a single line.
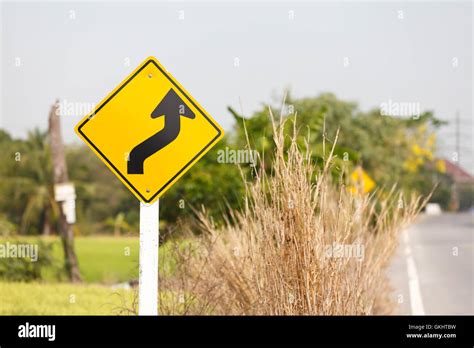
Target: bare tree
[(60, 175)]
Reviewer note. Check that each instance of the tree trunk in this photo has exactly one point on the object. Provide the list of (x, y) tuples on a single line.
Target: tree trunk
[(46, 224), (116, 230), (60, 175)]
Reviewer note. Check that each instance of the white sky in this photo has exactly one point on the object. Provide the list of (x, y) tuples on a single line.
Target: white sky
[(82, 59)]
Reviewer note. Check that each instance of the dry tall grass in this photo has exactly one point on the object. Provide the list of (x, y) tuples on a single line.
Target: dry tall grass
[(291, 251)]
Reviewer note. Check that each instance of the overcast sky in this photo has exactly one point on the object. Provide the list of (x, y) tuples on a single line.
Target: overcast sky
[(368, 52)]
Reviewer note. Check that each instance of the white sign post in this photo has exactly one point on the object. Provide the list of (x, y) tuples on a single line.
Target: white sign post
[(148, 274), (153, 93)]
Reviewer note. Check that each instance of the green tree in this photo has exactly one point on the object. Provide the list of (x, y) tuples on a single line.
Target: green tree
[(213, 185), (383, 145), (27, 183)]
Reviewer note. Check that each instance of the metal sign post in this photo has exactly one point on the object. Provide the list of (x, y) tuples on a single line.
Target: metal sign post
[(148, 274)]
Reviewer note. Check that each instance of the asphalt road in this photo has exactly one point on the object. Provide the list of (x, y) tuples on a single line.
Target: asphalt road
[(433, 271)]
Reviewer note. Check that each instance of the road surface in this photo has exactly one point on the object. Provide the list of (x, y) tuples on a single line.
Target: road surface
[(433, 271)]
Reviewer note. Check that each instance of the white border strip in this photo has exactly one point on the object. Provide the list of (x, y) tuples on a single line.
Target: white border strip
[(416, 301)]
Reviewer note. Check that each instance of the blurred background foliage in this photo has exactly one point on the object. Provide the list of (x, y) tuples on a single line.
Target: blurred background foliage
[(392, 150)]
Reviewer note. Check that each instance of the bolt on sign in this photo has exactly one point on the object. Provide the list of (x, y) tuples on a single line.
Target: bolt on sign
[(149, 131)]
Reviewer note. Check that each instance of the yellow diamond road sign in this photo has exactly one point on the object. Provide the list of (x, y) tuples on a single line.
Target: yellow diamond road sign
[(361, 181), (149, 131)]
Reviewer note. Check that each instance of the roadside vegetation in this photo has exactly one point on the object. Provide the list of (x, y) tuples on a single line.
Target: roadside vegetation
[(252, 237), (104, 259), (392, 150), (303, 244)]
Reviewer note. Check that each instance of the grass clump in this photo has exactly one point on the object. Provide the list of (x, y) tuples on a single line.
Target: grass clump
[(302, 245)]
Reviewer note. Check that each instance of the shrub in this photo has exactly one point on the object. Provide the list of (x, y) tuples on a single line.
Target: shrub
[(26, 269), (281, 255)]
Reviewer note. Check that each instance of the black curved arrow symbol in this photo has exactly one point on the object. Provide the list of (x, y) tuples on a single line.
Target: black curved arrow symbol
[(172, 107)]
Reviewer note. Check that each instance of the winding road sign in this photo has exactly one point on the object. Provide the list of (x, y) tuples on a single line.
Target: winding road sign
[(149, 131)]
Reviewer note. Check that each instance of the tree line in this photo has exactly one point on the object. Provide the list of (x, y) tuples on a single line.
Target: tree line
[(391, 149)]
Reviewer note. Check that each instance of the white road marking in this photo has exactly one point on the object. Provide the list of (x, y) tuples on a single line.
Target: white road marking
[(416, 301)]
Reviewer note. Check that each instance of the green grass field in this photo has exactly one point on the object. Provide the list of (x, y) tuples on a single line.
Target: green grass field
[(103, 261), (62, 299)]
